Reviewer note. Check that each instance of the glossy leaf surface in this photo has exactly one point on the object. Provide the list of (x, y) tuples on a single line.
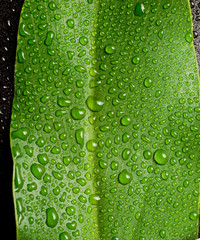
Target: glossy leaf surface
[(105, 123)]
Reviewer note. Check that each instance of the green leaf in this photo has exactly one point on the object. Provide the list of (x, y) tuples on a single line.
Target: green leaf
[(105, 123)]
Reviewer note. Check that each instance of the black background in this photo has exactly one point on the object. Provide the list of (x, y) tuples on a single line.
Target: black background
[(9, 18)]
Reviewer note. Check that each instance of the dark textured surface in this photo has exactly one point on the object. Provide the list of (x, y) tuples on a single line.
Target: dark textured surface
[(9, 16)]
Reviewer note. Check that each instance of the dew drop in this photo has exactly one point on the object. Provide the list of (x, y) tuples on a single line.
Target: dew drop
[(21, 56), (189, 37), (135, 60), (70, 210), (78, 113), (165, 175), (125, 120), (91, 145), (147, 82), (51, 217), (70, 23), (63, 102), (139, 9), (94, 199), (64, 236), (94, 104), (124, 177), (21, 133), (147, 154), (19, 182), (161, 157), (49, 38), (83, 41), (193, 216), (110, 49), (37, 170), (79, 135)]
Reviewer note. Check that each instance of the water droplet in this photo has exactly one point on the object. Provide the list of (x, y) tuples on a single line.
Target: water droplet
[(22, 30), (126, 153), (94, 104), (147, 154), (91, 145), (94, 199), (21, 56), (124, 177), (43, 158), (135, 60), (161, 157), (64, 236), (49, 38), (162, 233), (72, 225), (71, 210), (51, 217), (165, 175), (80, 69), (125, 120), (110, 49), (70, 23), (63, 102), (139, 9), (189, 37), (21, 133), (37, 170), (147, 82), (19, 182), (193, 216), (78, 113), (83, 41)]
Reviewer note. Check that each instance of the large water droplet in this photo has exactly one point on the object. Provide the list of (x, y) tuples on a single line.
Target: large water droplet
[(124, 177), (19, 182), (161, 156), (51, 217), (64, 236), (70, 210), (189, 37), (91, 145), (139, 9), (125, 120), (78, 113), (37, 170), (94, 104), (94, 199), (21, 133), (110, 49), (79, 134)]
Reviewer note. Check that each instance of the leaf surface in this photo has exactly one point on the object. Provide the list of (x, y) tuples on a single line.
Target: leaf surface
[(105, 121)]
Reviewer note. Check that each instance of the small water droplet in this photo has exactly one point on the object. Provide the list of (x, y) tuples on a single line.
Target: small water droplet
[(78, 113)]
